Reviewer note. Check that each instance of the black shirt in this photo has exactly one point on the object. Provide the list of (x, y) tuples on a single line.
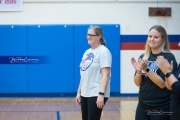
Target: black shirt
[(150, 95), (175, 97)]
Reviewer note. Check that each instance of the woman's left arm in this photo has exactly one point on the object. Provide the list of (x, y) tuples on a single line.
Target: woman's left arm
[(155, 78), (105, 78), (167, 85), (104, 82)]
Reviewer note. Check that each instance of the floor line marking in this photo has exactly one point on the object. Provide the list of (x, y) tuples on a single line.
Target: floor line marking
[(58, 115)]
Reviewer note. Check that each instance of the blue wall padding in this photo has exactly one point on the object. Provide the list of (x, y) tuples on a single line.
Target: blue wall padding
[(112, 37), (63, 45), (13, 41), (55, 42)]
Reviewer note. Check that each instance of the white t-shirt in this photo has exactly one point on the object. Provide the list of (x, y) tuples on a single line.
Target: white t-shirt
[(90, 70)]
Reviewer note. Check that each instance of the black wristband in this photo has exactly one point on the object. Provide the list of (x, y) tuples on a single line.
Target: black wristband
[(168, 74), (101, 93), (147, 70)]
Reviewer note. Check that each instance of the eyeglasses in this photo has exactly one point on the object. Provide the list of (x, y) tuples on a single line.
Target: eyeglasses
[(90, 35)]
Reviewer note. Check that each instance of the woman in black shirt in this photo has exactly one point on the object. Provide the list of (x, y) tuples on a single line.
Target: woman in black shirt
[(172, 83), (154, 98)]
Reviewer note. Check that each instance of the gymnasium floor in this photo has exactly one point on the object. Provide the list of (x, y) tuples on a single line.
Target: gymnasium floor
[(117, 108)]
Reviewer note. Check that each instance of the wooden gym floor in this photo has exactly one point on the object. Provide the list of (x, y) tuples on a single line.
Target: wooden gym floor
[(117, 108)]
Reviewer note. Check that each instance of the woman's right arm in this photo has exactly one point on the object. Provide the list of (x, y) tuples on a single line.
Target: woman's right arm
[(176, 88), (174, 84), (138, 79), (78, 96), (166, 67), (138, 76)]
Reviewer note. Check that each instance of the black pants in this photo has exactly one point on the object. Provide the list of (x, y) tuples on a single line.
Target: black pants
[(89, 108), (154, 114)]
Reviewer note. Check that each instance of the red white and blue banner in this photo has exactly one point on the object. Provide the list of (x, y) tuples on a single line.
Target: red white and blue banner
[(10, 5)]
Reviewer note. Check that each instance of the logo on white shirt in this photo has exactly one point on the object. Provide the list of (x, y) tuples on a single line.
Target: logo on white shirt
[(87, 61)]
